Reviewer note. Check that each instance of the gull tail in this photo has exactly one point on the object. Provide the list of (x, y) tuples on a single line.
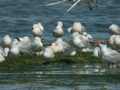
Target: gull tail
[(68, 10)]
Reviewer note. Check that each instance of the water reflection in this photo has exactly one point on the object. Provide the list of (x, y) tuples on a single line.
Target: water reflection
[(62, 77)]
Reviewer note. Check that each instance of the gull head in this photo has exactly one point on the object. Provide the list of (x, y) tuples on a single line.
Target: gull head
[(77, 27), (7, 40), (114, 28)]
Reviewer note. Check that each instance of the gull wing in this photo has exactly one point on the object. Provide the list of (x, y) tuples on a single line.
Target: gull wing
[(69, 9), (55, 3), (113, 57)]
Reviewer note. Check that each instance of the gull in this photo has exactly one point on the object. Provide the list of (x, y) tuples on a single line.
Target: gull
[(3, 54), (15, 48), (37, 29), (25, 44), (20, 45), (115, 29), (110, 55), (80, 40), (59, 45), (107, 54), (97, 52), (37, 43), (88, 36), (48, 52), (117, 41), (77, 27), (2, 58), (7, 40), (114, 41), (58, 32)]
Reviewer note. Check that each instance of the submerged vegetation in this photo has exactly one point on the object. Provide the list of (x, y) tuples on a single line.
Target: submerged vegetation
[(25, 62)]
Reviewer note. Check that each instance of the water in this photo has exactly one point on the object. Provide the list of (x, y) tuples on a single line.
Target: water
[(62, 77), (17, 18)]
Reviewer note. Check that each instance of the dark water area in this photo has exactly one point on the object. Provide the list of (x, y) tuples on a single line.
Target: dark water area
[(17, 18)]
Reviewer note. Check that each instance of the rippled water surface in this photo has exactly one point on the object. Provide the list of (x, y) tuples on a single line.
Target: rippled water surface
[(62, 77), (17, 17)]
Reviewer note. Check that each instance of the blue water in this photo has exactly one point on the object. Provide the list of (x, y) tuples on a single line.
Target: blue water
[(17, 18)]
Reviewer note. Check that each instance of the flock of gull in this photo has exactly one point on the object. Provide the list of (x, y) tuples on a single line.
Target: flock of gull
[(80, 41)]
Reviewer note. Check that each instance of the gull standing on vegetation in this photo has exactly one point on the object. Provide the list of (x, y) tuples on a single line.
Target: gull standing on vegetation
[(48, 52), (37, 43), (114, 39), (79, 40), (2, 55), (7, 41), (2, 58), (77, 27), (58, 32), (20, 45), (37, 29), (115, 29), (59, 45), (107, 54), (15, 48), (25, 44)]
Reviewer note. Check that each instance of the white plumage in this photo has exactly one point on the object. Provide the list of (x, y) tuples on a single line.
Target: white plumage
[(37, 43), (107, 54), (58, 32), (7, 40), (48, 52), (114, 28), (59, 45), (76, 27), (38, 29), (79, 40)]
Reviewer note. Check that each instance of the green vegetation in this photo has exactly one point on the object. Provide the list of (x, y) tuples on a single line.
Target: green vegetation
[(26, 61)]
